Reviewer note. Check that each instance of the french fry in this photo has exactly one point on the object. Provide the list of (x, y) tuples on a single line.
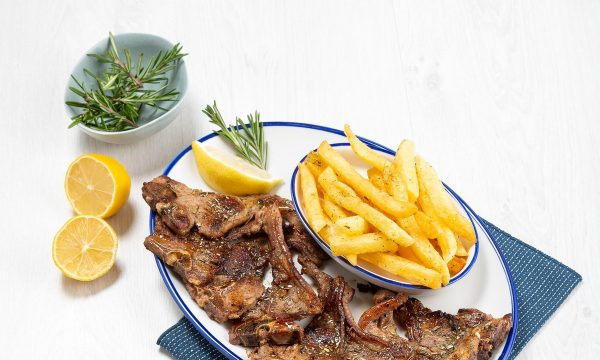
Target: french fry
[(361, 244), (344, 196), (352, 259), (408, 254), (430, 184), (376, 178), (394, 184), (329, 233), (456, 264), (362, 186), (433, 230), (314, 163), (364, 152), (331, 209), (353, 225), (404, 165), (430, 222), (426, 206), (310, 196), (448, 244), (443, 231), (409, 270), (460, 248), (429, 226), (435, 245), (423, 249)]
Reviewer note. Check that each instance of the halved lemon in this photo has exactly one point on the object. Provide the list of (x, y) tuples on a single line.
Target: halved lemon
[(97, 185), (85, 248), (230, 174)]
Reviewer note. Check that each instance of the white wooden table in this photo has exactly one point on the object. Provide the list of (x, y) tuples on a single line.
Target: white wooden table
[(503, 97)]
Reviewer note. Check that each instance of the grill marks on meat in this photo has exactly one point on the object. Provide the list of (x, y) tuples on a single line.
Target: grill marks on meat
[(225, 279), (288, 299), (470, 334)]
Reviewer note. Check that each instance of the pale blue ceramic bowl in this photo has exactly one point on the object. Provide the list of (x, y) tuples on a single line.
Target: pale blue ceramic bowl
[(151, 120)]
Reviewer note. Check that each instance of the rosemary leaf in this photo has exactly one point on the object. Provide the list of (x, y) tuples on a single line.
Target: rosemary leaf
[(115, 101), (247, 140)]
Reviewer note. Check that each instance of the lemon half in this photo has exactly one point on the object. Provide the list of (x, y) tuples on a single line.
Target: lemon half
[(85, 248), (97, 185), (230, 174)]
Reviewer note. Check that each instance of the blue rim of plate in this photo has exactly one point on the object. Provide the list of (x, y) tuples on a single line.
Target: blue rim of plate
[(361, 269), (162, 269)]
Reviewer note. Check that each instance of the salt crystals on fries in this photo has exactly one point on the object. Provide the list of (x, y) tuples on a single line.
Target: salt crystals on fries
[(399, 218)]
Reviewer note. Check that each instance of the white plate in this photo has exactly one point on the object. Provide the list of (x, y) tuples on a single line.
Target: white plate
[(487, 287)]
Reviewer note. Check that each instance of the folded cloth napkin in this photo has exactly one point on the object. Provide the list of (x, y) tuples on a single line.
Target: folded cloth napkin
[(542, 284)]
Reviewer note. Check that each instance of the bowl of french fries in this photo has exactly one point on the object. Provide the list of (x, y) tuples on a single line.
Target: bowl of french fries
[(384, 216)]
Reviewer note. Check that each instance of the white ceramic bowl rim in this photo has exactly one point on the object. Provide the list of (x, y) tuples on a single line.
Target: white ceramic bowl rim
[(367, 273), (182, 91)]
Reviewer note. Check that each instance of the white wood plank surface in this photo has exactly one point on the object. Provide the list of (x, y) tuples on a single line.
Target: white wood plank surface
[(503, 97)]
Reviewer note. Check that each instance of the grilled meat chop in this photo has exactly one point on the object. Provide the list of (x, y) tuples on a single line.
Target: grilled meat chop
[(470, 334), (224, 278), (211, 214)]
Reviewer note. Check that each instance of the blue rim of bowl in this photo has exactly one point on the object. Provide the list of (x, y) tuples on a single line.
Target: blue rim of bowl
[(368, 273), (162, 269), (182, 92)]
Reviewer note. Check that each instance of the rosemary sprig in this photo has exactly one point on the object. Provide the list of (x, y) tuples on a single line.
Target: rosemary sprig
[(248, 140), (116, 99)]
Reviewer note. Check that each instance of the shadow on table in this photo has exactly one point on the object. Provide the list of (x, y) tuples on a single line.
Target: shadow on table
[(123, 220), (76, 289), (149, 156), (162, 350)]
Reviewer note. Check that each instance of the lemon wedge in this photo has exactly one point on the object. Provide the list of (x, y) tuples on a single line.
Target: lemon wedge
[(97, 185), (230, 174), (84, 248)]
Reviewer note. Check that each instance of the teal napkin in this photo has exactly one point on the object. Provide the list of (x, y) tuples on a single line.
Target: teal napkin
[(542, 284)]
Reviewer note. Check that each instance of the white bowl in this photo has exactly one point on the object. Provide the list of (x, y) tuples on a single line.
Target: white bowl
[(366, 270)]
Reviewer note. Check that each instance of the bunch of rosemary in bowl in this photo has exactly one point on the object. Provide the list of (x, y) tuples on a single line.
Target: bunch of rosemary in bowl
[(127, 87)]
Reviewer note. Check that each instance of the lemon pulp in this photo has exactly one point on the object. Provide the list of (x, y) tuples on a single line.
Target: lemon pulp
[(84, 248), (97, 185)]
